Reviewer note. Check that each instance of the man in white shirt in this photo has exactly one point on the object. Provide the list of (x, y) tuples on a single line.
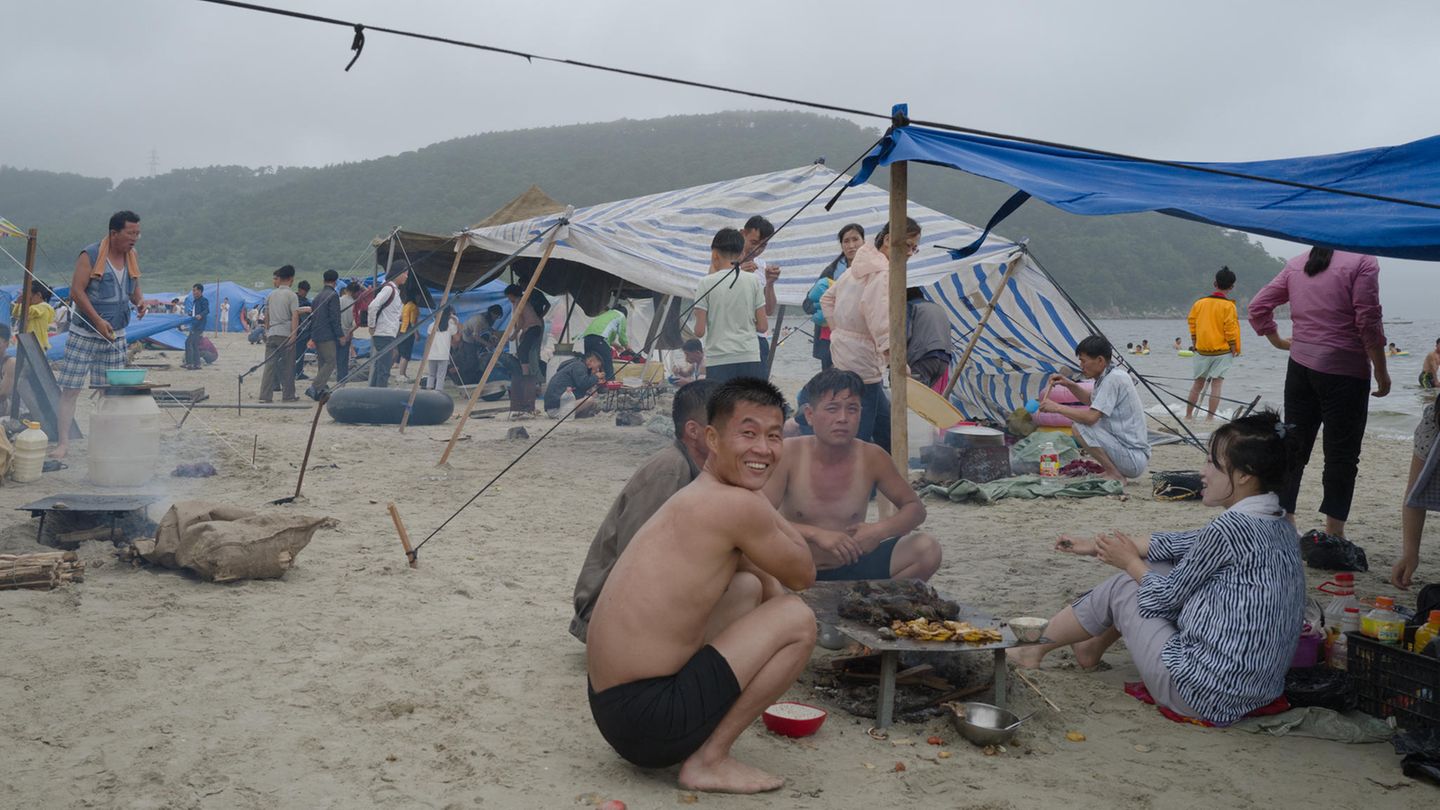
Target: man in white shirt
[(757, 233), (729, 310), (384, 313), (1110, 420)]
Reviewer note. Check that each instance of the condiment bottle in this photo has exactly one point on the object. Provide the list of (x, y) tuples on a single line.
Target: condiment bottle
[(1338, 653), (1049, 461), (1388, 626), (1427, 631)]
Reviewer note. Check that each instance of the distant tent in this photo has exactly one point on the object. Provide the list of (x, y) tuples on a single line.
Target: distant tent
[(661, 242)]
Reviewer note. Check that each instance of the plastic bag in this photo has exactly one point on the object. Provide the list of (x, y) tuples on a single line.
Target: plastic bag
[(1321, 686), (1321, 550)]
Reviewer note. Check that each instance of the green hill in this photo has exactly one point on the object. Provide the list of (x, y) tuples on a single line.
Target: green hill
[(239, 223)]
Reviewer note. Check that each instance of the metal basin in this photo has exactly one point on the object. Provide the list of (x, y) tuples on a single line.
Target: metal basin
[(982, 723)]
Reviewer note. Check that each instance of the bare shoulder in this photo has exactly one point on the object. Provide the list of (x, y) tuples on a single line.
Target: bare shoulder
[(726, 508), (877, 461)]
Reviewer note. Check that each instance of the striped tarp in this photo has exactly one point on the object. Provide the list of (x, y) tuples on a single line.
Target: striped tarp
[(662, 242)]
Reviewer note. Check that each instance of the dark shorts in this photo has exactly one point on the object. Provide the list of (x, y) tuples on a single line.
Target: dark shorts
[(731, 371), (659, 722), (875, 565)]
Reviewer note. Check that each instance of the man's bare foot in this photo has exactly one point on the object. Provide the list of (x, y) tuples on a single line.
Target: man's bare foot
[(727, 775), (1025, 657), (59, 452)]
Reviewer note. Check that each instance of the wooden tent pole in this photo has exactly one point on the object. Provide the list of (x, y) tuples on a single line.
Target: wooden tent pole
[(30, 240), (984, 319), (899, 415), (434, 327), (504, 338)]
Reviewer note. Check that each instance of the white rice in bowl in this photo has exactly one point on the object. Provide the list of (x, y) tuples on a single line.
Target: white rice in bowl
[(794, 711)]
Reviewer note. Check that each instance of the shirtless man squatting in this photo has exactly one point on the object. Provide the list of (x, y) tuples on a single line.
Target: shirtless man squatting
[(684, 651)]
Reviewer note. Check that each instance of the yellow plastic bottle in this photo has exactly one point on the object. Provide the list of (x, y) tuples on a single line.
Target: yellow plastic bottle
[(1386, 626), (1427, 631)]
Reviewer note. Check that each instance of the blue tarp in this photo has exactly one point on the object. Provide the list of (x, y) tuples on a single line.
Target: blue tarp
[(1085, 183), (151, 326)]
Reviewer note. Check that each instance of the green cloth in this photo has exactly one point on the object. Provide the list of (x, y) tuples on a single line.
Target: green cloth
[(1027, 487), (1320, 723), (609, 325), (1028, 449)]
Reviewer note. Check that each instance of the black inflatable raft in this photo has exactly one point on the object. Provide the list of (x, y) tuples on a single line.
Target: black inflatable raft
[(386, 406)]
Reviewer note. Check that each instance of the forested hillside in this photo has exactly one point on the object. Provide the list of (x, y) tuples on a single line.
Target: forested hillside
[(238, 223)]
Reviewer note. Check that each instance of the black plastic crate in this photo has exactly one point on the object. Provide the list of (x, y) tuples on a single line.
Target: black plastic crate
[(1392, 682)]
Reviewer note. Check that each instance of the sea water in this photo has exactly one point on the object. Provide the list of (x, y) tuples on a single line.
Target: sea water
[(1259, 371)]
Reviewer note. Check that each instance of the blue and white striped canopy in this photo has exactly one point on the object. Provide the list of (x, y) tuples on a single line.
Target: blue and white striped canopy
[(662, 242)]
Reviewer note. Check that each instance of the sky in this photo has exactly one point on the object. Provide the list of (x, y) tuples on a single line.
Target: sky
[(102, 85)]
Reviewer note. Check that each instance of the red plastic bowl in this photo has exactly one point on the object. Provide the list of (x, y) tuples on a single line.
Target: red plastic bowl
[(789, 726)]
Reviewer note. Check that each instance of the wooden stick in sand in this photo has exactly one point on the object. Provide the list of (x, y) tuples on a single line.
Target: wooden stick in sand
[(504, 338), (1037, 691), (404, 535), (434, 328)]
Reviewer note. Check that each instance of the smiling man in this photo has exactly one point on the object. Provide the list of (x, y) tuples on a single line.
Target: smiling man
[(823, 486), (684, 652)]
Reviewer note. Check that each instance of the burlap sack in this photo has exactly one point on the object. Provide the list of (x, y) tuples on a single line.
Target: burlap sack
[(224, 543)]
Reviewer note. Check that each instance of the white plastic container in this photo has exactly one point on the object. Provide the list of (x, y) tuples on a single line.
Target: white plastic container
[(30, 448), (124, 440)]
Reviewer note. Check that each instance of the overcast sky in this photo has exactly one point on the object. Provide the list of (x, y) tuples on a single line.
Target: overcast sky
[(95, 86)]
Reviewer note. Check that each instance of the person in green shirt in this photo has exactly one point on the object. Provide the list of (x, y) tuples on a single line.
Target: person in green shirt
[(604, 332)]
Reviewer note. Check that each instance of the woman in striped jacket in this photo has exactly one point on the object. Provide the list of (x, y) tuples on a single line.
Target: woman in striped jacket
[(1211, 616)]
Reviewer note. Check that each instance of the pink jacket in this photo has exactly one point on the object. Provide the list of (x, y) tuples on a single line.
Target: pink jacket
[(1335, 315), (857, 308)]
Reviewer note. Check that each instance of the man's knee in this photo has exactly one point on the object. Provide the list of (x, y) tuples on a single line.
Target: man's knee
[(795, 617), (745, 588), (918, 555)]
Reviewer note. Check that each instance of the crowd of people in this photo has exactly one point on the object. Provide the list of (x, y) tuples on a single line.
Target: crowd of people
[(686, 600)]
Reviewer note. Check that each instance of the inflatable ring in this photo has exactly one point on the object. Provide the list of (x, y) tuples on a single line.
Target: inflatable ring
[(386, 406), (1185, 353)]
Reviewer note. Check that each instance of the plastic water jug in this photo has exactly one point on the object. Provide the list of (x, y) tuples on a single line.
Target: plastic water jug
[(124, 440), (1342, 588), (29, 453), (1049, 461)]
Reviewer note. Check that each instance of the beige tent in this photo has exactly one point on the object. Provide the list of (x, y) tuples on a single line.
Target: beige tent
[(430, 257)]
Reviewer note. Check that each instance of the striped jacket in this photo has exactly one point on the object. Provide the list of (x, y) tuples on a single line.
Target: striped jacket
[(1237, 595)]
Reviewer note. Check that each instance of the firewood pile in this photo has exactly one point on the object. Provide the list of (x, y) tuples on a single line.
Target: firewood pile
[(41, 571)]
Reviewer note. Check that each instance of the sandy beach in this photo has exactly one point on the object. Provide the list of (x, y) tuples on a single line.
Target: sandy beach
[(355, 681)]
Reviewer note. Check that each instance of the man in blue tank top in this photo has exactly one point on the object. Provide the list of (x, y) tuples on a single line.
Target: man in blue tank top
[(105, 284)]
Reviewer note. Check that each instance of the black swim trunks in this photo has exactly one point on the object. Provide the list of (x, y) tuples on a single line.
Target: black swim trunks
[(658, 722), (875, 565)]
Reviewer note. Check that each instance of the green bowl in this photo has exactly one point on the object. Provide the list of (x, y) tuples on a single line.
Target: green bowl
[(125, 376)]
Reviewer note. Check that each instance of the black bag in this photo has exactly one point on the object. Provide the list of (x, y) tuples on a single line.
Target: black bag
[(1176, 485), (1320, 550), (1322, 686)]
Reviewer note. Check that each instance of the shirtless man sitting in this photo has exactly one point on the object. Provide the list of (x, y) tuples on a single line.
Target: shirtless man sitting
[(823, 486), (683, 653)]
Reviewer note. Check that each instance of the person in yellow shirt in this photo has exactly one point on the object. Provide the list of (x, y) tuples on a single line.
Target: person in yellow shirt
[(409, 315), (38, 320), (1215, 339)]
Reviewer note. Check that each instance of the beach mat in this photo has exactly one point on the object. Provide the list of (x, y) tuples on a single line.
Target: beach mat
[(386, 406)]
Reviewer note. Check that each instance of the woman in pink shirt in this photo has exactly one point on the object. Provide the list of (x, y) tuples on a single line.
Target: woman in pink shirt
[(1337, 342)]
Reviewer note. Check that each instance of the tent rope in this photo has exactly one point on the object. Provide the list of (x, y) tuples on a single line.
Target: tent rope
[(358, 42)]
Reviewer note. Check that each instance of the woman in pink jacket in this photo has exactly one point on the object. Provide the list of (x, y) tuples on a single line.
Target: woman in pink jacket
[(857, 307), (1336, 343)]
